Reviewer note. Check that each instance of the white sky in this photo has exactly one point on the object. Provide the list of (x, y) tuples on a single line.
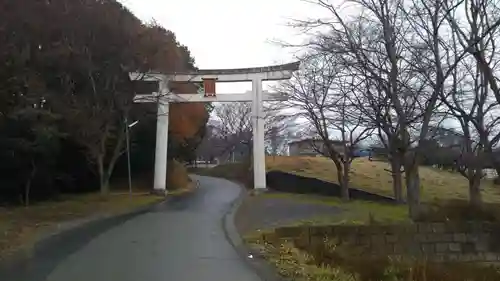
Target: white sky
[(228, 33)]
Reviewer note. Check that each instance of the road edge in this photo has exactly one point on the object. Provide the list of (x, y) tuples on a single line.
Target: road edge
[(257, 263)]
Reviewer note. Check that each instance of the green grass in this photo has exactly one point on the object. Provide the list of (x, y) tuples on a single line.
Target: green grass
[(353, 212), (437, 187)]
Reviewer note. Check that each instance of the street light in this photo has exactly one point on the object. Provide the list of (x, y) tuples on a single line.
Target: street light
[(133, 124), (127, 127)]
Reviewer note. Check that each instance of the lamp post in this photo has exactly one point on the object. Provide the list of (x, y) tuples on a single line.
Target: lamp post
[(127, 127)]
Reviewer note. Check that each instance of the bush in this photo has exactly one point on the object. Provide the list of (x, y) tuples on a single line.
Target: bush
[(177, 176), (459, 210), (387, 269), (328, 261)]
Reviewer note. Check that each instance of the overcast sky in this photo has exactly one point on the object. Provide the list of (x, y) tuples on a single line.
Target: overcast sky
[(228, 33)]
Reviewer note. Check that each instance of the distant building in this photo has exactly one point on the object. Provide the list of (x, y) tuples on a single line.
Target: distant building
[(312, 147), (446, 137)]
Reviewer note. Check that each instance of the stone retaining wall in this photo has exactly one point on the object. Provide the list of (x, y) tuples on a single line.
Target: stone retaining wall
[(474, 242)]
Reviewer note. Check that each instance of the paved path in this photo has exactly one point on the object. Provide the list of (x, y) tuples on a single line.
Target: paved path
[(179, 241)]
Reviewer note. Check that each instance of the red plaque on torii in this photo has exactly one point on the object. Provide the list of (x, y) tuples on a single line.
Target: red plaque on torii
[(209, 87)]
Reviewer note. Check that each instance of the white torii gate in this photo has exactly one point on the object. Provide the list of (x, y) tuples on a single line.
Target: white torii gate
[(209, 77)]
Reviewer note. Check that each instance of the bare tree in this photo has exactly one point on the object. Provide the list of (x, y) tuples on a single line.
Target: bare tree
[(425, 50), (371, 49), (276, 127), (317, 94), (399, 57), (96, 120), (276, 144), (468, 104), (473, 105), (476, 32), (233, 125)]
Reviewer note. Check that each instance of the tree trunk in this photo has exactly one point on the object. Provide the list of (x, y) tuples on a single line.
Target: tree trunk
[(104, 183), (413, 190), (108, 171), (103, 177), (344, 191), (397, 182), (475, 197), (105, 172), (27, 186)]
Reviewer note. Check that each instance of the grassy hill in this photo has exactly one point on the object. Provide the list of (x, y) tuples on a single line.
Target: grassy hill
[(372, 176), (366, 175)]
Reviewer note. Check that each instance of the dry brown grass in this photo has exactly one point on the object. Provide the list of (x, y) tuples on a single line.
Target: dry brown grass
[(294, 264), (371, 176), (20, 227), (327, 262)]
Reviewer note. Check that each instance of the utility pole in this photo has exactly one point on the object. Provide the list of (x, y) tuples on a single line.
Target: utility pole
[(127, 127)]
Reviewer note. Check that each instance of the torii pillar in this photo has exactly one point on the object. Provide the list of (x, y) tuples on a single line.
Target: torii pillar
[(208, 77), (258, 119)]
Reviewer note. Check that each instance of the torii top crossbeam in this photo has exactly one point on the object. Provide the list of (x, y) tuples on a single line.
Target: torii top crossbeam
[(267, 73)]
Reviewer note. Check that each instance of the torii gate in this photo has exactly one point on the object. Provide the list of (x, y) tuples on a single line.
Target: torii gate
[(209, 77)]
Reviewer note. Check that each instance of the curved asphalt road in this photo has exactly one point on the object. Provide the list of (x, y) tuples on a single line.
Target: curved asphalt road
[(182, 240)]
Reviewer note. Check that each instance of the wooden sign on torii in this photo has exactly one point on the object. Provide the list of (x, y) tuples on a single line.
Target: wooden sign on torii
[(208, 93)]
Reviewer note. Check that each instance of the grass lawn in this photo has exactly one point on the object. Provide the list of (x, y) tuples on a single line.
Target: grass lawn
[(366, 175), (20, 227), (371, 176), (353, 212)]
